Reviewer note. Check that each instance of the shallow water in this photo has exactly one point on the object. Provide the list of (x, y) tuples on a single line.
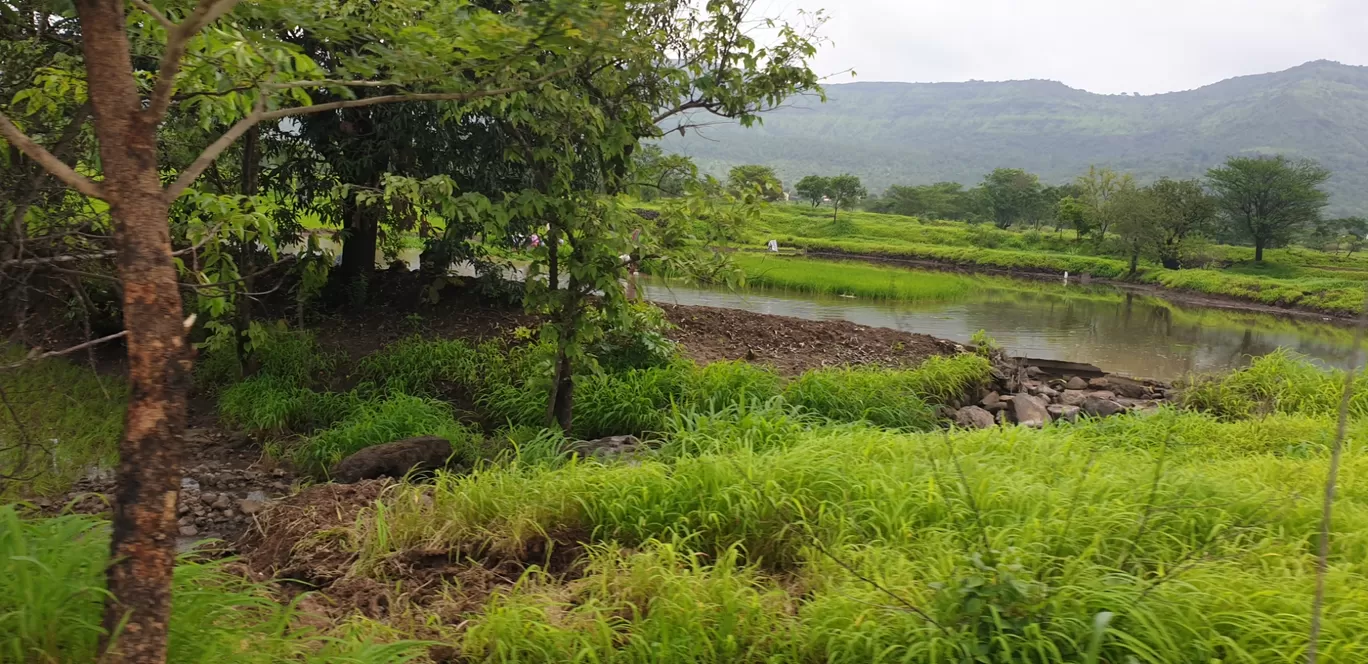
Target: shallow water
[(1119, 331), (1125, 332)]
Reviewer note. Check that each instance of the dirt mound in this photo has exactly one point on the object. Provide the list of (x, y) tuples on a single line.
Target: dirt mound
[(794, 345)]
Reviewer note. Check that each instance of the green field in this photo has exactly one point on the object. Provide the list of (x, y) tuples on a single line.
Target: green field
[(817, 518), (1291, 277)]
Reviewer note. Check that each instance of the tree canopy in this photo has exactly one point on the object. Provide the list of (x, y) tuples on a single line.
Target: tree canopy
[(1269, 200)]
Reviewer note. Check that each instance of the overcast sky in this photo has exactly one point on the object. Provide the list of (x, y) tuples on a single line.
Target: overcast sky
[(1110, 46)]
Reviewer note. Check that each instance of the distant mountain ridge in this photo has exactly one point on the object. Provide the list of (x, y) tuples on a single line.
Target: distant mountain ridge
[(918, 133)]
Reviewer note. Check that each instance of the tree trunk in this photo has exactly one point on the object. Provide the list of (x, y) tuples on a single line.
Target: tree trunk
[(560, 403), (358, 250), (1134, 262), (143, 542), (835, 211), (250, 169), (1258, 250)]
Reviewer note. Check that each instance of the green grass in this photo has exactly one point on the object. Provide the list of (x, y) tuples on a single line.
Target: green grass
[(381, 421), (52, 594), (851, 278), (72, 417), (1280, 382), (898, 399), (1292, 277), (1011, 540)]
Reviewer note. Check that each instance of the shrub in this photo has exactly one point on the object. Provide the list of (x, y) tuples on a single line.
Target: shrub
[(637, 342), (275, 405)]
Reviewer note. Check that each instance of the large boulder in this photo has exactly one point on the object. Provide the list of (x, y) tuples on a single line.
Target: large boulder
[(1030, 410), (1063, 412), (1098, 407), (609, 447), (396, 459), (973, 417), (1076, 383), (1122, 386), (1073, 397)]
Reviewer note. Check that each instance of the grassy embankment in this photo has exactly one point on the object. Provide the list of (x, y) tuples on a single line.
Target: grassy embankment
[(783, 521), (1289, 277)]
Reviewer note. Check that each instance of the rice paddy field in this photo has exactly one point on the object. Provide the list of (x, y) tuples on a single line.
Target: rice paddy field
[(824, 517), (1289, 277)]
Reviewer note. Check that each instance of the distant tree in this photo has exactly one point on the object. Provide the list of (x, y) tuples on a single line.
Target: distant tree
[(1183, 209), (844, 190), (758, 178), (942, 200), (1353, 233), (1134, 213), (1075, 214), (1096, 189), (813, 188), (1269, 200), (1010, 195), (1330, 235), (660, 175)]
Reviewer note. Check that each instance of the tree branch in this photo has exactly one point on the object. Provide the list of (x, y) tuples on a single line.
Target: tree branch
[(196, 168), (178, 36), (55, 353), (152, 11), (48, 161)]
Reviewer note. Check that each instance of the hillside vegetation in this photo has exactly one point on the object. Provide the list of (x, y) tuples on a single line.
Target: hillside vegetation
[(918, 133)]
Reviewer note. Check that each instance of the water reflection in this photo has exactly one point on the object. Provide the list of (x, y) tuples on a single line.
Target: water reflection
[(1125, 332)]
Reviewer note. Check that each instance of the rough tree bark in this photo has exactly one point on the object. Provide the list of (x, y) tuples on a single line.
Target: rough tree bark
[(143, 545)]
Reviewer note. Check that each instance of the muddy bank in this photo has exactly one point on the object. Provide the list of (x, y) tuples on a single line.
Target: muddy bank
[(1178, 296)]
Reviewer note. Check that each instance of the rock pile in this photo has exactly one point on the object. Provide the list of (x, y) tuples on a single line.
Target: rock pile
[(220, 502), (1030, 396)]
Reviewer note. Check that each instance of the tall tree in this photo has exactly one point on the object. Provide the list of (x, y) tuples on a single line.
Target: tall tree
[(1269, 200), (845, 190), (1010, 195), (479, 55), (1135, 217), (758, 178), (1183, 209), (1075, 214), (1096, 189), (813, 189)]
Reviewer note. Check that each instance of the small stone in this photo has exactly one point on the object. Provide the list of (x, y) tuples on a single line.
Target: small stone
[(973, 417), (278, 472), (208, 497), (1034, 371), (251, 506), (1047, 392), (223, 502), (189, 484), (1103, 394), (199, 511), (1073, 397), (185, 521), (991, 399), (182, 509), (1063, 412), (280, 486), (228, 514), (189, 531), (1099, 383), (1076, 383)]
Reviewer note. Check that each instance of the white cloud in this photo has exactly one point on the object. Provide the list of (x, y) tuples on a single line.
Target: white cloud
[(1145, 46)]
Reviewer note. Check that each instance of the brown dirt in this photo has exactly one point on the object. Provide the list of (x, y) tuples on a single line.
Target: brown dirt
[(793, 345)]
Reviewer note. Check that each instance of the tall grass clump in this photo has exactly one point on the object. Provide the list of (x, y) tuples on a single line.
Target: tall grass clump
[(382, 421), (898, 398), (272, 405), (52, 596), (1008, 543), (293, 356), (855, 279), (420, 366), (59, 419), (1279, 382)]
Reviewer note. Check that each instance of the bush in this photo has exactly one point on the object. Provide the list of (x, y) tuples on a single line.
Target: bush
[(638, 342)]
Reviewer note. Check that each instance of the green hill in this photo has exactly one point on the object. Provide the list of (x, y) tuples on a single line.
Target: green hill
[(917, 133)]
